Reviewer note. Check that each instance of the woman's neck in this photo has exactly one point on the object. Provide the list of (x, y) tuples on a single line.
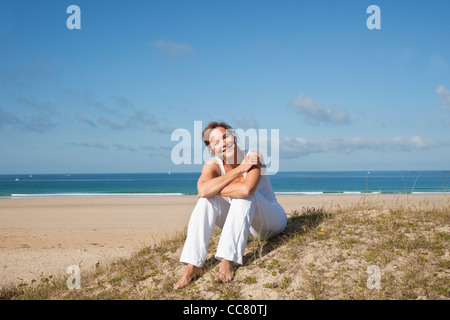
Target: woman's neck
[(239, 155)]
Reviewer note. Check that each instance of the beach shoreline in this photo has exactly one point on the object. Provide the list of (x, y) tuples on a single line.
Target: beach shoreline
[(42, 237)]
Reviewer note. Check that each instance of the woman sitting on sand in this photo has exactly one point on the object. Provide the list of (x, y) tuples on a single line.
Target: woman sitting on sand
[(252, 208)]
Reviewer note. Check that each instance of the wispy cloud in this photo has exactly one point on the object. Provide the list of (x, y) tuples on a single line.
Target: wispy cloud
[(162, 129), (21, 111), (84, 119), (172, 49), (315, 113), (121, 147), (444, 94), (114, 124), (246, 122), (90, 144), (147, 148), (47, 108), (38, 123), (298, 147), (6, 77), (118, 113), (9, 118), (37, 119), (118, 147), (27, 76)]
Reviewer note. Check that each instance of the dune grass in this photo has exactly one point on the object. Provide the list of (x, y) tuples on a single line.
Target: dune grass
[(324, 253)]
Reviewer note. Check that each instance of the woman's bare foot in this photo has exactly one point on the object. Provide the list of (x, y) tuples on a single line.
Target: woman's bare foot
[(226, 271), (189, 274)]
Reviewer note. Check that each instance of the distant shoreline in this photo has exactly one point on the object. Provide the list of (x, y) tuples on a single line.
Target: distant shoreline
[(143, 195), (199, 172), (185, 184)]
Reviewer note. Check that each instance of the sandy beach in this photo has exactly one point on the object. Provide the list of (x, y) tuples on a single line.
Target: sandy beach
[(42, 237)]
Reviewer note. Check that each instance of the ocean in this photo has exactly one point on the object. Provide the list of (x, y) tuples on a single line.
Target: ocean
[(169, 184)]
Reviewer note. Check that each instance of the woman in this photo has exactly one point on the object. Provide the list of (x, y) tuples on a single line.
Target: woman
[(253, 208)]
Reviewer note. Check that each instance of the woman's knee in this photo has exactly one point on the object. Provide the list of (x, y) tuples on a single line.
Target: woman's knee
[(206, 201), (243, 207), (209, 205), (243, 201)]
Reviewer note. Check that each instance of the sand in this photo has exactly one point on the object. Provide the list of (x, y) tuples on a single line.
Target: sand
[(43, 237)]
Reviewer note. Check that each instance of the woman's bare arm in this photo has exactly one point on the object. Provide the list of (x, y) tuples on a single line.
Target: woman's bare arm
[(211, 182), (243, 188)]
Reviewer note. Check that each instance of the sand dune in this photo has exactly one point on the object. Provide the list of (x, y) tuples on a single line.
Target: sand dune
[(42, 237)]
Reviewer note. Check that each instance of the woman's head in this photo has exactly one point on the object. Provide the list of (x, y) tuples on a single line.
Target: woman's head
[(220, 139)]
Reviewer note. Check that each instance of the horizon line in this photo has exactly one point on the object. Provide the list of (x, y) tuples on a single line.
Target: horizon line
[(173, 172)]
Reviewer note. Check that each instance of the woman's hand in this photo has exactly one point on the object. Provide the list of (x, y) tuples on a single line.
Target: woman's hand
[(252, 159)]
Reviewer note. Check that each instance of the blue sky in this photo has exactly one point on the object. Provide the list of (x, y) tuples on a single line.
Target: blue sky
[(107, 97)]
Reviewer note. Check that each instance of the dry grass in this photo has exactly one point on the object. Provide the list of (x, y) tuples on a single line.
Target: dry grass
[(324, 253)]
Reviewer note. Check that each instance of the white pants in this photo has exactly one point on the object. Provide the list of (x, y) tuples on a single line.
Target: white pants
[(254, 214)]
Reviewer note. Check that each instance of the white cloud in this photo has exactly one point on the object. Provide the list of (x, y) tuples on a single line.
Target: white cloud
[(173, 49), (298, 147), (315, 113)]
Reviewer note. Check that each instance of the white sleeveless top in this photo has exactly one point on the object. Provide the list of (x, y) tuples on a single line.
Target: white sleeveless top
[(264, 186)]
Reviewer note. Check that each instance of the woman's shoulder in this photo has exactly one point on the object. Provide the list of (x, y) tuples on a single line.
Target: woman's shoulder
[(210, 170), (212, 161), (212, 165)]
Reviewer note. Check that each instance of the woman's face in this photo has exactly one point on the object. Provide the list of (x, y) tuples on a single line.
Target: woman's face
[(222, 144)]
